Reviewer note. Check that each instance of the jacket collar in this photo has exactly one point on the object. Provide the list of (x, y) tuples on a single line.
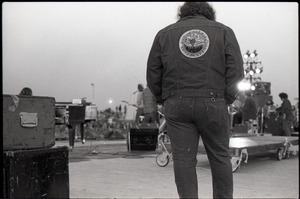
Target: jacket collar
[(192, 17)]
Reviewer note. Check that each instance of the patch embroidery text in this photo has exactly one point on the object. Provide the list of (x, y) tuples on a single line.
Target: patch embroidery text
[(194, 43)]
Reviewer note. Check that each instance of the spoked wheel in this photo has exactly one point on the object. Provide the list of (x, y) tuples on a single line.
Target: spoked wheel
[(235, 162), (162, 159)]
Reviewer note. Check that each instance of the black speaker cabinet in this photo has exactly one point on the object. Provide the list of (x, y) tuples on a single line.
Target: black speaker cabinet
[(40, 173), (262, 88), (261, 100), (142, 138), (274, 124), (76, 114)]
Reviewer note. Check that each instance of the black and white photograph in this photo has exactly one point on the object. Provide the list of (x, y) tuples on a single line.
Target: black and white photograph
[(113, 99)]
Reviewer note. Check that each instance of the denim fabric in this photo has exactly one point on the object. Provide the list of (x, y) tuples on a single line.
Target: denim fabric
[(220, 68), (151, 118), (188, 118), (139, 112)]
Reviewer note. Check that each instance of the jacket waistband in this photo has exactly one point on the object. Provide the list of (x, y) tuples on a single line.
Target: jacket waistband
[(195, 93)]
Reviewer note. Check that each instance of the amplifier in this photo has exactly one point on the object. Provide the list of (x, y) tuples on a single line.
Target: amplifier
[(76, 114), (142, 138), (274, 125)]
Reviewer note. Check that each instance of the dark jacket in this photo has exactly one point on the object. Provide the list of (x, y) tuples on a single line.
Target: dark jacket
[(286, 109), (195, 57)]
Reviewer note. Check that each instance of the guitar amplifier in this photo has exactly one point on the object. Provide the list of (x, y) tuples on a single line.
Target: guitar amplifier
[(37, 173), (274, 125), (28, 122), (76, 114), (143, 137)]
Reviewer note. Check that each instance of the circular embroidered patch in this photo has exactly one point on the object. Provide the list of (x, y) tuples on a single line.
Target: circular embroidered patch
[(194, 43)]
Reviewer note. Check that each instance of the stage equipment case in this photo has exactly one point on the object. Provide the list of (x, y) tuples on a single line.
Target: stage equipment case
[(142, 137), (240, 128), (274, 124), (38, 173), (28, 122)]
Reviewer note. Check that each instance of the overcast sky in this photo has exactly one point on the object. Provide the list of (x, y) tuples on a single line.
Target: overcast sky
[(60, 49)]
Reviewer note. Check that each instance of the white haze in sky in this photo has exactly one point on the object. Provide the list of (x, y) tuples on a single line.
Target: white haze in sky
[(61, 49)]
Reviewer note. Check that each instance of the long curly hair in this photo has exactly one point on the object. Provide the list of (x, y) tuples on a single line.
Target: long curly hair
[(197, 8)]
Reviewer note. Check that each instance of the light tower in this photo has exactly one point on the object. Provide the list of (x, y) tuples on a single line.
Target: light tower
[(252, 68)]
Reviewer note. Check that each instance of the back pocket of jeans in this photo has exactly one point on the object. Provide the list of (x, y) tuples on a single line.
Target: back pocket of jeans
[(216, 109), (172, 107)]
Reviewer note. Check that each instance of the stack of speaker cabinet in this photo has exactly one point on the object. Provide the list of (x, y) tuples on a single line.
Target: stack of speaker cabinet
[(32, 166), (262, 93)]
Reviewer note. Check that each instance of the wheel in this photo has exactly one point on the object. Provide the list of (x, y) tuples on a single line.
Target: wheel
[(280, 154), (162, 159), (235, 162)]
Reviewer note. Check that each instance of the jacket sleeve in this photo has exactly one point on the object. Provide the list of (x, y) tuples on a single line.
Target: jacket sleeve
[(155, 70), (234, 66)]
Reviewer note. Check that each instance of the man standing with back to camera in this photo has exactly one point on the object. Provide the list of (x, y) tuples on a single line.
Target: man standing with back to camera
[(193, 68)]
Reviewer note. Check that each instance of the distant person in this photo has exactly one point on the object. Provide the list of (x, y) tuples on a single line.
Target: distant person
[(125, 111), (249, 108), (193, 68), (150, 107), (271, 107), (285, 112), (26, 91), (238, 106), (268, 109), (139, 103)]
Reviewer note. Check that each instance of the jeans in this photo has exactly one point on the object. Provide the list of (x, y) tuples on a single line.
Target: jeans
[(151, 117), (139, 112), (188, 118)]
